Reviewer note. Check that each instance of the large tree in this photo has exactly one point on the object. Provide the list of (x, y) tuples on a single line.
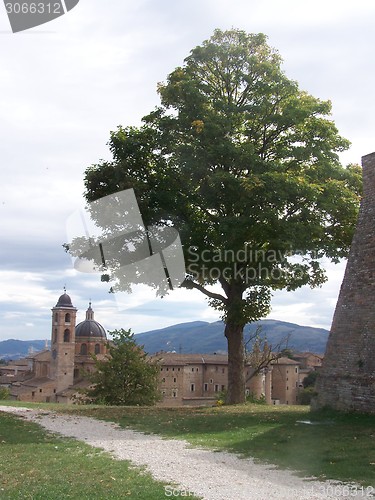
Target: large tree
[(245, 166)]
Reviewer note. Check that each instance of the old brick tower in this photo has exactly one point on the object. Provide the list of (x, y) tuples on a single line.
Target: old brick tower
[(347, 377)]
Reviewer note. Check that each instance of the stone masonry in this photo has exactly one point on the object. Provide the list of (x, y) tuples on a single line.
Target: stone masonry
[(347, 377)]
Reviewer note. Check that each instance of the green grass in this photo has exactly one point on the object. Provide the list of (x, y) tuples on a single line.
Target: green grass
[(340, 446), (41, 466)]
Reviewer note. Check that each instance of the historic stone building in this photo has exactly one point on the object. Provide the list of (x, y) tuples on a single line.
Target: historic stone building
[(54, 375), (347, 378), (57, 374)]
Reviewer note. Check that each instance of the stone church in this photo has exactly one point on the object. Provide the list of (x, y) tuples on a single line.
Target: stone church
[(56, 374)]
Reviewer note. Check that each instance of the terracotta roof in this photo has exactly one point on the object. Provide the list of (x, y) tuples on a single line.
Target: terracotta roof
[(285, 361), (41, 355), (171, 358)]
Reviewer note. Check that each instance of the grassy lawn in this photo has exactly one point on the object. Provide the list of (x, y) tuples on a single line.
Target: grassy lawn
[(40, 466), (337, 446)]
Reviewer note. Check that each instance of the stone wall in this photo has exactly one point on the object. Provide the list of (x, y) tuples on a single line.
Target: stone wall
[(347, 378)]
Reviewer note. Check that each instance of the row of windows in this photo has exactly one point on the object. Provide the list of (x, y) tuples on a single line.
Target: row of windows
[(192, 369), (67, 318), (66, 335), (205, 385), (84, 349), (217, 388)]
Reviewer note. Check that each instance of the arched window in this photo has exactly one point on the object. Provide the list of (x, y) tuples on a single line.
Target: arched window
[(83, 349), (54, 336), (67, 318), (67, 335), (97, 348), (56, 317)]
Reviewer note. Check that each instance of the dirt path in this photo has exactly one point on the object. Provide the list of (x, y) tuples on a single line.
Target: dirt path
[(211, 475)]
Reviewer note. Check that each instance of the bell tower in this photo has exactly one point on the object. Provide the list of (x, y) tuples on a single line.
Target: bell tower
[(63, 342)]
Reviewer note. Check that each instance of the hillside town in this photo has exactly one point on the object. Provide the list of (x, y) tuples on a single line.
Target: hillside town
[(58, 374)]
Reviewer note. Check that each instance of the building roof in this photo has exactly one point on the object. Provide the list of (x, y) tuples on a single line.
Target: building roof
[(285, 361), (172, 358), (65, 301), (90, 327)]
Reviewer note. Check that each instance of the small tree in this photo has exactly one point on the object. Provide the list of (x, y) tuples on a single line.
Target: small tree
[(127, 376), (262, 353), (4, 393)]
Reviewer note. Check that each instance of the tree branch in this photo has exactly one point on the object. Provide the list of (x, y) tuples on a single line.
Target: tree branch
[(189, 284)]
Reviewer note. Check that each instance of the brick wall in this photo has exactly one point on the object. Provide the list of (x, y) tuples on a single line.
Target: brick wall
[(347, 378)]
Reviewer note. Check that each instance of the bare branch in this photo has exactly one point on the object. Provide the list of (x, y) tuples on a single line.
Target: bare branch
[(189, 284)]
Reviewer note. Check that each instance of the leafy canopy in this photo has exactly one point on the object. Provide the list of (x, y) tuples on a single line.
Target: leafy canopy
[(245, 165), (127, 376)]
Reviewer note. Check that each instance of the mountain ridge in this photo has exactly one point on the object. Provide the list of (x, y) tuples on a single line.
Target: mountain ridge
[(200, 337)]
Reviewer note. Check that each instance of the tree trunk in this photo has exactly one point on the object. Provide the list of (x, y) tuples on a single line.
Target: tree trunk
[(236, 363)]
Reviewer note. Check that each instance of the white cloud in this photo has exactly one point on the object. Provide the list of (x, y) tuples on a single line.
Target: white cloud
[(65, 85)]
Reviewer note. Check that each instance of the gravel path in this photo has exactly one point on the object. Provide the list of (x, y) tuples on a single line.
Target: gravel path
[(211, 475)]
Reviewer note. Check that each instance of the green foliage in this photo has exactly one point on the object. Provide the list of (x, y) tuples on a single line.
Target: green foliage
[(245, 166), (310, 380), (305, 395), (251, 398), (4, 393), (127, 376)]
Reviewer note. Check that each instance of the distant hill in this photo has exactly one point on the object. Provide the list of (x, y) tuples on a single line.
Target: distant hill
[(199, 337), (15, 349), (203, 337)]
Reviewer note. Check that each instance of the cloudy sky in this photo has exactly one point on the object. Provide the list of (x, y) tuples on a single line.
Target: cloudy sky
[(65, 85)]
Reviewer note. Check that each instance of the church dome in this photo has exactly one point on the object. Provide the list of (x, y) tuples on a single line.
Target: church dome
[(64, 301), (90, 327)]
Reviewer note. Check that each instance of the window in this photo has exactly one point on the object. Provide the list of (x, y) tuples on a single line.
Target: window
[(211, 381), (161, 369), (223, 387), (205, 387), (173, 369), (54, 337), (67, 335), (174, 393), (97, 349), (178, 369), (296, 370), (163, 379), (216, 387), (175, 380), (56, 317), (33, 394), (83, 351), (223, 370), (287, 388), (40, 390), (67, 318), (192, 387), (192, 369)]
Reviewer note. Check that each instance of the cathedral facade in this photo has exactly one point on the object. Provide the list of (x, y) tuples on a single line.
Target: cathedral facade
[(56, 374)]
